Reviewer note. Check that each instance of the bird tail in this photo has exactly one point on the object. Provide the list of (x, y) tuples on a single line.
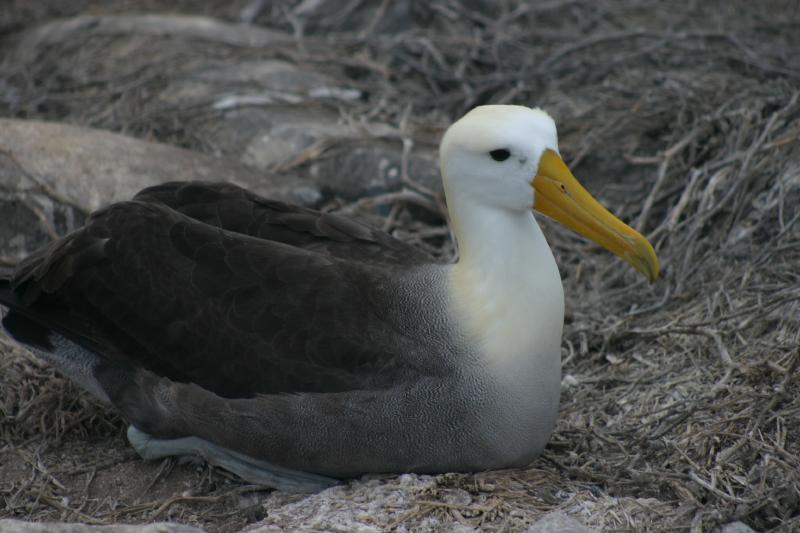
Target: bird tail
[(50, 337), (7, 297), (14, 320)]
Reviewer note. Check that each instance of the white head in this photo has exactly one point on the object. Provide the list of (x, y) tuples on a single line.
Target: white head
[(492, 153), (505, 158)]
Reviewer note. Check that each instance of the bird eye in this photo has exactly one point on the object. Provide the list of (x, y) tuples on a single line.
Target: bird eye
[(501, 154)]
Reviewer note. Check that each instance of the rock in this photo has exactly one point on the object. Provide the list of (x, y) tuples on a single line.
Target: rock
[(53, 175), (335, 158), (270, 137), (355, 170), (18, 526), (170, 26), (367, 505), (268, 113), (558, 522), (733, 527), (456, 497)]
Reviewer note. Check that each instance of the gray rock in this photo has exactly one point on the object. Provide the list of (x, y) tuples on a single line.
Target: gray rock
[(53, 175), (270, 137), (558, 522), (18, 526), (356, 169), (267, 113), (172, 26), (366, 506), (733, 527)]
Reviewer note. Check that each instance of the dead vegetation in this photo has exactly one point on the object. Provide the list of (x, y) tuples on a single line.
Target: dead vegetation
[(680, 398)]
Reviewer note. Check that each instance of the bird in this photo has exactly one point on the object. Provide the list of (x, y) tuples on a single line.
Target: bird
[(297, 348)]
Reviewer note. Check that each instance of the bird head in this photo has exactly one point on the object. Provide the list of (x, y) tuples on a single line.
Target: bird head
[(507, 157)]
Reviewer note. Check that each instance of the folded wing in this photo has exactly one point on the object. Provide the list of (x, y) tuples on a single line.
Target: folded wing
[(213, 285)]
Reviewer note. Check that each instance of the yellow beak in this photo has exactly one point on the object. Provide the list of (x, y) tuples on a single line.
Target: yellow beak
[(560, 197)]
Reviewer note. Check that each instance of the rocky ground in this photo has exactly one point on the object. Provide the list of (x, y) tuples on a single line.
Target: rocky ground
[(680, 400)]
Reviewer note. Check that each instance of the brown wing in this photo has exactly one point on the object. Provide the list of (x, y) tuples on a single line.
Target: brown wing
[(214, 285), (236, 209)]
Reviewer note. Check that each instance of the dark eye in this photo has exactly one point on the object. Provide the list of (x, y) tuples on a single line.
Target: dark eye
[(501, 154)]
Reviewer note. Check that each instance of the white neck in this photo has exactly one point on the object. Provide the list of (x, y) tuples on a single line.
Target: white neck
[(506, 289)]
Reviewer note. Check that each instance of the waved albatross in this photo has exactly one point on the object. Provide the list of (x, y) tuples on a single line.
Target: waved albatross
[(295, 347)]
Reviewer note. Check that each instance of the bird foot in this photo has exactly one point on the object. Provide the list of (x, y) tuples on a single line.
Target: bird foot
[(248, 468)]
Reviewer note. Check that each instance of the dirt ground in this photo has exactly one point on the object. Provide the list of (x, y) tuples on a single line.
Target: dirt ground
[(680, 400)]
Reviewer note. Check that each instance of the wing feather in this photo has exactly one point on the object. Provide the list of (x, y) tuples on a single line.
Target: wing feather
[(236, 209), (211, 284)]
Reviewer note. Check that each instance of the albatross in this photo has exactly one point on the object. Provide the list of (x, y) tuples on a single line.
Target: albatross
[(296, 348)]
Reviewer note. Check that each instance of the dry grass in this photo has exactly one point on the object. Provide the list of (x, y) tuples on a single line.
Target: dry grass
[(686, 121)]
